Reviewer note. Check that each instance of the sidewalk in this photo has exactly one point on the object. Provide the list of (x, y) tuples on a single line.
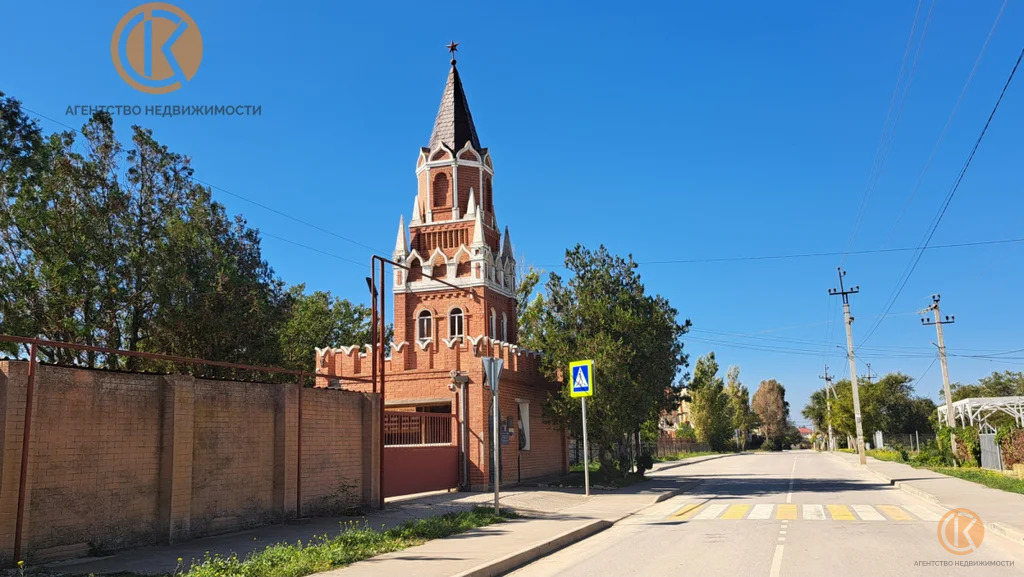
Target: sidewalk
[(498, 549), (554, 518), (1001, 512)]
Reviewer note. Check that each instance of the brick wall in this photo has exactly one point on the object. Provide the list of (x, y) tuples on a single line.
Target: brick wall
[(122, 459), (417, 376)]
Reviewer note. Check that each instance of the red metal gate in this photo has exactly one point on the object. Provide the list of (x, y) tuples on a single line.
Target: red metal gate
[(421, 452)]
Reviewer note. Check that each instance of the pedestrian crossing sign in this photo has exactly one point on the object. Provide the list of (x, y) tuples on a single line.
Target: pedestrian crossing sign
[(581, 374)]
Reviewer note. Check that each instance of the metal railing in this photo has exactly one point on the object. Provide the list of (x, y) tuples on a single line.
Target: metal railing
[(409, 429)]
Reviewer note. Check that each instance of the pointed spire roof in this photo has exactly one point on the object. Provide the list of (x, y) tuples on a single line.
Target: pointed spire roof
[(400, 245), (416, 215), (454, 124), (478, 230), (471, 205), (506, 245)]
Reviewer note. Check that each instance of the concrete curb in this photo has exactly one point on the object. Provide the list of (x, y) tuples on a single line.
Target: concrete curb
[(898, 484), (1013, 534), (666, 495), (533, 552)]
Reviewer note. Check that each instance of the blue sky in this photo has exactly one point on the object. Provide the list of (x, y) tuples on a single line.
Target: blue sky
[(673, 131)]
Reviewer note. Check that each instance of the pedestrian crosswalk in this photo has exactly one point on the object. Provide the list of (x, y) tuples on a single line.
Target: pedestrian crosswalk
[(710, 510)]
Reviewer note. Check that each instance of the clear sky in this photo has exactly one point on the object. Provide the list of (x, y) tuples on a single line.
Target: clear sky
[(680, 131)]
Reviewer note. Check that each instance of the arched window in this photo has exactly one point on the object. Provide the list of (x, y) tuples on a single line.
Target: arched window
[(488, 201), (494, 324), (504, 327), (424, 325), (440, 190), (455, 323)]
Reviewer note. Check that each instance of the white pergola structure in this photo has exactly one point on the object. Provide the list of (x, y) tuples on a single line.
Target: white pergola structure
[(977, 410)]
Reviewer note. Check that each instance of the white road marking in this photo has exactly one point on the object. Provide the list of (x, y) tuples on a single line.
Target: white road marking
[(711, 511), (923, 512), (814, 513), (868, 513), (776, 562), (761, 511), (789, 496)]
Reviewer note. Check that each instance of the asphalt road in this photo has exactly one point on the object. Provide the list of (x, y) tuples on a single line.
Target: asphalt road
[(788, 514)]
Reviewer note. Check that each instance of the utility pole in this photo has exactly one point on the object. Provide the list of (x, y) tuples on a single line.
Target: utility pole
[(868, 365), (853, 361), (828, 404), (938, 322)]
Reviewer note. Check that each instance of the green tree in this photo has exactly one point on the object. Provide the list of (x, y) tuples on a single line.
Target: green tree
[(888, 405), (743, 418), (710, 407), (320, 320), (120, 248), (602, 312), (529, 308), (773, 412)]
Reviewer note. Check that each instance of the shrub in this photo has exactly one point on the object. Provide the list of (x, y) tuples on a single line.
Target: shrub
[(770, 445), (1011, 445), (931, 455), (968, 447), (644, 463), (685, 432)]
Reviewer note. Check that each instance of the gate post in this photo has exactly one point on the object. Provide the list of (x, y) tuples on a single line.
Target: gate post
[(372, 452)]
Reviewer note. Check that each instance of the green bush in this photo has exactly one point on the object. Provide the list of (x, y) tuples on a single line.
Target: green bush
[(685, 432), (931, 455), (968, 446), (1011, 446), (644, 462), (770, 445)]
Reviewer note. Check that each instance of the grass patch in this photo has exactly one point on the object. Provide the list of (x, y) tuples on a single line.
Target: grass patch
[(599, 479), (681, 456), (993, 479), (323, 553), (886, 455)]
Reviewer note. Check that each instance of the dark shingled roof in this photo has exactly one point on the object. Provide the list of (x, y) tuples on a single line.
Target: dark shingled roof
[(454, 124)]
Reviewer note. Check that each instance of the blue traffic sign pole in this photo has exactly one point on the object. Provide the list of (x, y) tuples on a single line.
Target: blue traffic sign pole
[(586, 459), (581, 384), (492, 372)]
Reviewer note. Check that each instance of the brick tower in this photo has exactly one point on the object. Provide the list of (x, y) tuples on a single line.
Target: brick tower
[(453, 234), (453, 304)]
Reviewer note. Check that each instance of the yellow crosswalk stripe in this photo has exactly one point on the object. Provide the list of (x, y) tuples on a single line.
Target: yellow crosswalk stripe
[(840, 513), (736, 512), (687, 511), (786, 511), (894, 512)]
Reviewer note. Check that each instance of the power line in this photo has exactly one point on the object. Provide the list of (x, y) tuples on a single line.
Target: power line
[(925, 373), (949, 121), (307, 247), (814, 254), (949, 198), (236, 195), (888, 134)]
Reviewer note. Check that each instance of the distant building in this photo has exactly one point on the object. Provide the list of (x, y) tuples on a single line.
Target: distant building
[(806, 433), (671, 420)]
